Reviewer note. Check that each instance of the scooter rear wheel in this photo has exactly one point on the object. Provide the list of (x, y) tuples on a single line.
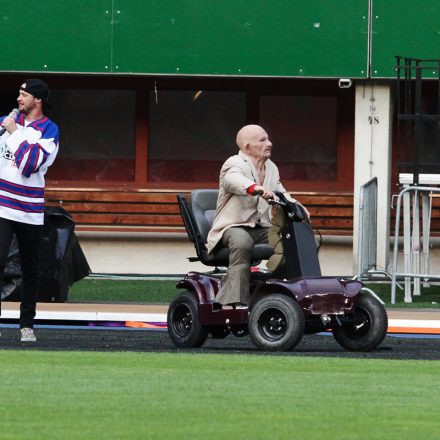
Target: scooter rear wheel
[(366, 328), (276, 323), (184, 326)]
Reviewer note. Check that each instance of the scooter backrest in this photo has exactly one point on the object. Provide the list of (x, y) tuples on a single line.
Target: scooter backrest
[(203, 206)]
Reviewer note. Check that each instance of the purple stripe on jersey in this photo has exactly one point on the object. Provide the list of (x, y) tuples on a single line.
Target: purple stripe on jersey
[(45, 156), (31, 162), (20, 119), (49, 130), (21, 206), (40, 124), (20, 190), (22, 149), (37, 127), (45, 126)]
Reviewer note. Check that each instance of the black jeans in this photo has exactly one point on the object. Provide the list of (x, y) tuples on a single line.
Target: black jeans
[(29, 238)]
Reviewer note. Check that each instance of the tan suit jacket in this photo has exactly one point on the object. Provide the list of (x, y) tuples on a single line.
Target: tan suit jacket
[(234, 206)]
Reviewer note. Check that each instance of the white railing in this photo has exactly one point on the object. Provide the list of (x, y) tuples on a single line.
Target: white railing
[(413, 271)]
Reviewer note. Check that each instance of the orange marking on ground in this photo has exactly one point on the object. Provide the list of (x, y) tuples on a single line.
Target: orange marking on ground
[(418, 330), (136, 324)]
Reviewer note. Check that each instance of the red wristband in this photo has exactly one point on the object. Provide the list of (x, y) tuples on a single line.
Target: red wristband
[(251, 189)]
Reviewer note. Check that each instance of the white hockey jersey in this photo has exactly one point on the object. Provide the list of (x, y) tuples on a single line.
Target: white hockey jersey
[(25, 156)]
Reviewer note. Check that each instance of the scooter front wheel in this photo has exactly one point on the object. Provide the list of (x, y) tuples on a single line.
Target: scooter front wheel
[(366, 328), (276, 323), (183, 322)]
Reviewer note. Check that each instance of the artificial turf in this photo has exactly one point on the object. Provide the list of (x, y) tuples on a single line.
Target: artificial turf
[(429, 298), (163, 291), (77, 395), (103, 290)]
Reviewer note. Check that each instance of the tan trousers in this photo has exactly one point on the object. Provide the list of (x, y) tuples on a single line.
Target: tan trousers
[(240, 241)]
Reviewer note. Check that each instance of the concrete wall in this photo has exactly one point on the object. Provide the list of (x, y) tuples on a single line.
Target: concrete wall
[(151, 254), (144, 253)]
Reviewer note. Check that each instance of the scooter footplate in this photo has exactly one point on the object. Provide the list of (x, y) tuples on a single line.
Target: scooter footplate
[(207, 316)]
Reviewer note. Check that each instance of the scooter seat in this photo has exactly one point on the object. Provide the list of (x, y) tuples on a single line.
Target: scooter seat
[(198, 217), (220, 257)]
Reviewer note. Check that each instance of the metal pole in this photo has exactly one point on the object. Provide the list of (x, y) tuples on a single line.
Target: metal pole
[(415, 243), (396, 249), (407, 244), (360, 234), (426, 220)]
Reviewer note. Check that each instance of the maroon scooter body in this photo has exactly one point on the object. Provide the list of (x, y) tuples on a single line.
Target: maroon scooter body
[(290, 301), (315, 295)]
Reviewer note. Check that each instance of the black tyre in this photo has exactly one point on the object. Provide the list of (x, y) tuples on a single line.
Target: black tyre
[(184, 326), (276, 323), (366, 328)]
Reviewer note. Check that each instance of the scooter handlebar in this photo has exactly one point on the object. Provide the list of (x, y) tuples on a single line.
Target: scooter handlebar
[(295, 210), (273, 202)]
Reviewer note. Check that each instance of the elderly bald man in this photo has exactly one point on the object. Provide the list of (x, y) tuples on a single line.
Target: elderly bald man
[(242, 219)]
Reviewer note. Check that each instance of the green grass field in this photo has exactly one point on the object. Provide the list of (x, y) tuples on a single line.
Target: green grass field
[(149, 291), (163, 291), (76, 395)]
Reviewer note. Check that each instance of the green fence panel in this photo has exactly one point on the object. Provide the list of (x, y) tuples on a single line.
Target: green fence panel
[(404, 27), (313, 38), (56, 35)]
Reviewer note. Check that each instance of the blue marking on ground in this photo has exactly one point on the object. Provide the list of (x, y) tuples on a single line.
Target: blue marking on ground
[(398, 335), (413, 335)]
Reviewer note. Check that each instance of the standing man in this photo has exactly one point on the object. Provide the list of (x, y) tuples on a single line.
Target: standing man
[(242, 219), (28, 147)]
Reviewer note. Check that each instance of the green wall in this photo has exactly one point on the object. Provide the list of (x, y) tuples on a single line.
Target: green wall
[(404, 27), (56, 35), (223, 37), (242, 37), (311, 38)]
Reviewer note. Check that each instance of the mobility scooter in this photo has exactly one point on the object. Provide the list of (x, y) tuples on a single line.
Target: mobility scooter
[(288, 301)]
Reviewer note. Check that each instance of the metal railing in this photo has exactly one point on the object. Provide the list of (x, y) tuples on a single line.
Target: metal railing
[(367, 233), (411, 239)]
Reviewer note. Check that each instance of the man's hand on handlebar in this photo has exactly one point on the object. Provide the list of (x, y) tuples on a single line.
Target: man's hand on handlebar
[(263, 192)]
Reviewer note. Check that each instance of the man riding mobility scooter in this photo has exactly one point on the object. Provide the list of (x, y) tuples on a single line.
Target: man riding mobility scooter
[(290, 300)]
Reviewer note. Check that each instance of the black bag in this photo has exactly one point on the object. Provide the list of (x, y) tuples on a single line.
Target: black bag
[(62, 261)]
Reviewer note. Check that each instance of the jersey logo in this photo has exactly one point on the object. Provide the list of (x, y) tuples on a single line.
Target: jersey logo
[(6, 153)]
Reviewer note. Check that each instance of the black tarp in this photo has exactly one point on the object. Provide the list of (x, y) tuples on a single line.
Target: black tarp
[(62, 261)]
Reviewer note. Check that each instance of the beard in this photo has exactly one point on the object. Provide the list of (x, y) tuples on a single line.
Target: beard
[(26, 109)]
